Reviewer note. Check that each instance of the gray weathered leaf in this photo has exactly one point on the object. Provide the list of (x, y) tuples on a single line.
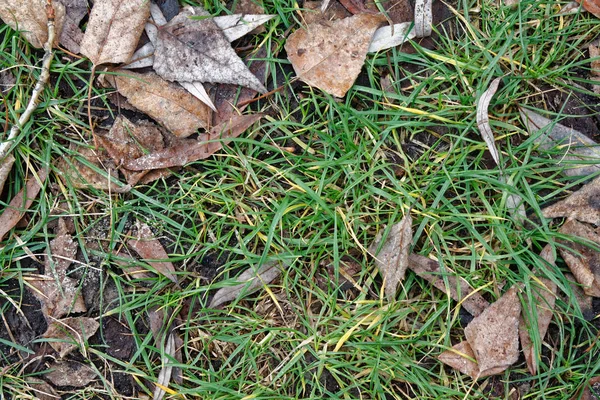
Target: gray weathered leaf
[(483, 119), (71, 35), (385, 39), (70, 373), (237, 25), (164, 376), (582, 205), (423, 18)]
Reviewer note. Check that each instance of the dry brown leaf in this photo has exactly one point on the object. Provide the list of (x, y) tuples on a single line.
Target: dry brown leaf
[(21, 203), (42, 390), (70, 373), (483, 119), (29, 16), (250, 281), (189, 150), (70, 333), (5, 167), (166, 102), (581, 258), (494, 335), (582, 205), (149, 248), (458, 289), (71, 35), (114, 29), (330, 56), (58, 293), (391, 257), (462, 358), (592, 6), (591, 391), (192, 50)]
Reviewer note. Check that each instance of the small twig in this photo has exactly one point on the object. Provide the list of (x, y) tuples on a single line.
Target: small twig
[(5, 146)]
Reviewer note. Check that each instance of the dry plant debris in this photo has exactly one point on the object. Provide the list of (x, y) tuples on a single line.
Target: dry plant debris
[(582, 205), (70, 333), (31, 20), (70, 373)]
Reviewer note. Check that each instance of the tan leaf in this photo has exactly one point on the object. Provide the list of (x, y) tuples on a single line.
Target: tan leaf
[(312, 12), (29, 16), (461, 358), (70, 373), (149, 248), (249, 281), (189, 150), (70, 333), (21, 203), (114, 29), (458, 288), (392, 255), (582, 205), (166, 102), (330, 56), (483, 119), (581, 258), (494, 335), (71, 35)]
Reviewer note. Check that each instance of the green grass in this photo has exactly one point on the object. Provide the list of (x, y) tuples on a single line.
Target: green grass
[(359, 164)]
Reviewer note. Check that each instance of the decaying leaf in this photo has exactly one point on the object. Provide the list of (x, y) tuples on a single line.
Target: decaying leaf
[(249, 281), (591, 390), (164, 376), (592, 6), (189, 150), (582, 205), (237, 25), (166, 102), (41, 389), (458, 288), (149, 248), (192, 50), (70, 333), (391, 256), (5, 167), (573, 145), (387, 37), (58, 293), (423, 18), (70, 373), (583, 261), (21, 203), (29, 16), (483, 119), (71, 35), (114, 29), (462, 358), (331, 56)]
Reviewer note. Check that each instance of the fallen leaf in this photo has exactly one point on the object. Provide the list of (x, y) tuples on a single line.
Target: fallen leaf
[(391, 255), (166, 102), (149, 248), (483, 119), (192, 50), (236, 26), (582, 205), (594, 51), (42, 390), (71, 35), (114, 29), (21, 203), (494, 335), (190, 150), (70, 373), (592, 6), (5, 168), (29, 17), (458, 288), (249, 281), (582, 260), (387, 37), (584, 301), (330, 56), (571, 145), (164, 376), (423, 18), (591, 390), (70, 333), (462, 358)]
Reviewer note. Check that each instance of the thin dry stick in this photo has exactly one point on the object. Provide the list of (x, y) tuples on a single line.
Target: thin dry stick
[(5, 146)]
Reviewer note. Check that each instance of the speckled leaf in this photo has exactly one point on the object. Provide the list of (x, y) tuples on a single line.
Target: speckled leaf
[(70, 373), (70, 333), (29, 16)]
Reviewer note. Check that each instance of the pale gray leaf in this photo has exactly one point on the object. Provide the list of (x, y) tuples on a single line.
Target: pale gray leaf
[(70, 373), (386, 37), (237, 25), (164, 376), (483, 119), (423, 18), (197, 90)]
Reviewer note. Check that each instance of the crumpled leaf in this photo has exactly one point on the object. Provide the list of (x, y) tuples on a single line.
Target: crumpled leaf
[(149, 248), (192, 50), (166, 102), (58, 293), (573, 145), (114, 29), (249, 281), (190, 150), (71, 35), (331, 56), (582, 205), (582, 260), (386, 37), (21, 203), (29, 16), (458, 289), (70, 373), (70, 333), (392, 258), (483, 119), (462, 358)]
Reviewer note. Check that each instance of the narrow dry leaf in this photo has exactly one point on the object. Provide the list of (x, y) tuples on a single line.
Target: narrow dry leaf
[(159, 325), (29, 16), (197, 90), (458, 288), (494, 335), (70, 333), (574, 145), (192, 50), (483, 119), (387, 37), (164, 376), (166, 102), (237, 25), (71, 35), (149, 248), (21, 203), (70, 373), (423, 18), (461, 357), (581, 258), (391, 257), (114, 29), (192, 150), (330, 56), (249, 281), (584, 301), (582, 205)]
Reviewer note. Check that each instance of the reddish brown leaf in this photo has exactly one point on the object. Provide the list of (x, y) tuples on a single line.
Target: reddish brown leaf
[(592, 6), (70, 333), (149, 248), (581, 258), (591, 390)]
